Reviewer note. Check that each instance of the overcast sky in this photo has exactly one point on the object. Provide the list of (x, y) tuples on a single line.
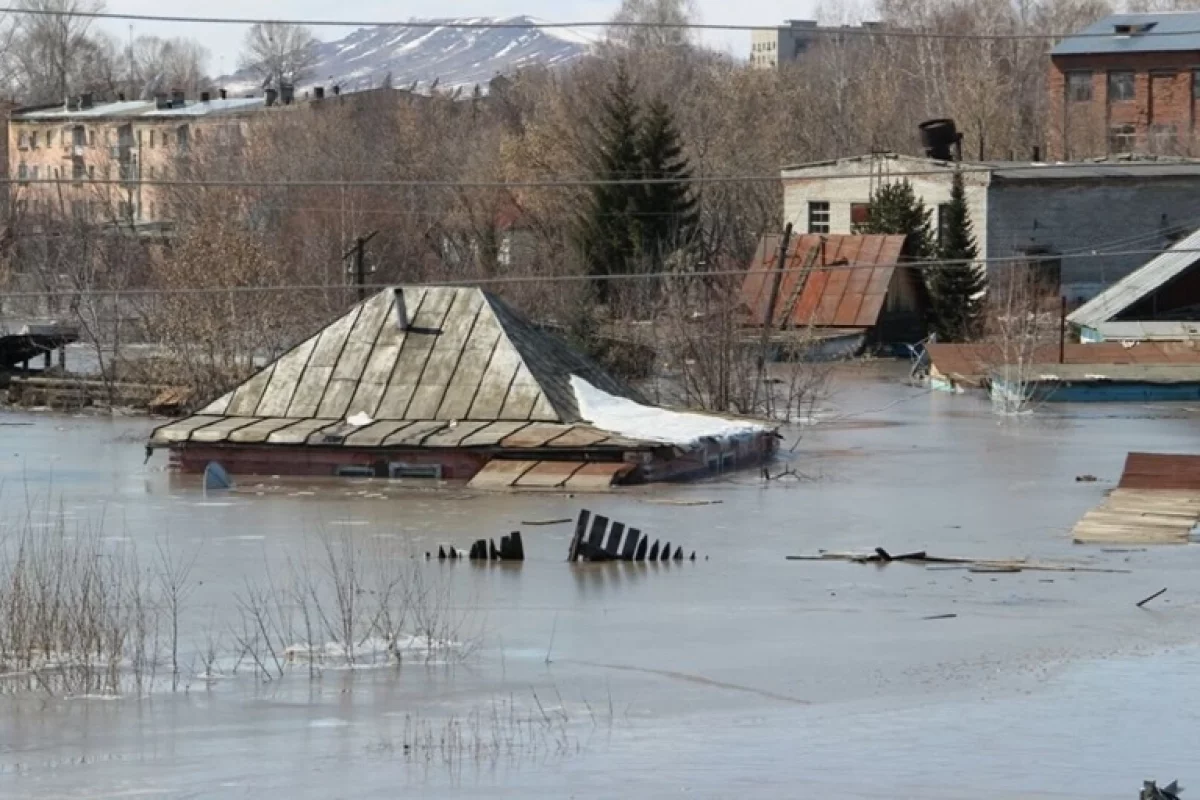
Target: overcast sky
[(224, 41)]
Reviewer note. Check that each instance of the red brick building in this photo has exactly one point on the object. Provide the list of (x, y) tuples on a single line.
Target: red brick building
[(1126, 84)]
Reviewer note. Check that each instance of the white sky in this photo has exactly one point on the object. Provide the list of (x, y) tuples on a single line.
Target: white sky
[(224, 41)]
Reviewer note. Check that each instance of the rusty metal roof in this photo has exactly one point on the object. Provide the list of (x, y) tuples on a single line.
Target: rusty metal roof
[(1161, 471), (970, 362), (829, 280)]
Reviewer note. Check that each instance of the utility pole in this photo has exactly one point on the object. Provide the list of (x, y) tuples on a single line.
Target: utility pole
[(359, 253)]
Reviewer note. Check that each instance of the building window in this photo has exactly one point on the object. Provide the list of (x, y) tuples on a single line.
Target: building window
[(1121, 138), (151, 172), (33, 172), (139, 138), (181, 137), (22, 171), (166, 138), (50, 138), (22, 141), (1120, 86), (91, 135), (33, 143), (152, 138), (818, 216), (1079, 86), (943, 220), (91, 173), (77, 170), (860, 213), (78, 136)]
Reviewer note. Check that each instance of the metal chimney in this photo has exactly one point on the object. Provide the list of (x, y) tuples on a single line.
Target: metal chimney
[(270, 94)]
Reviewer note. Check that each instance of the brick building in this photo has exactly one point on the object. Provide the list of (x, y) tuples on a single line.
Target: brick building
[(1126, 84)]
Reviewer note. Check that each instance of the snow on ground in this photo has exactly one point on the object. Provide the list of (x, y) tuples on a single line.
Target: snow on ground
[(628, 418)]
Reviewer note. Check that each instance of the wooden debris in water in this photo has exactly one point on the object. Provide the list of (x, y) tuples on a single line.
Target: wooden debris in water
[(881, 556), (614, 541), (1159, 593), (560, 521)]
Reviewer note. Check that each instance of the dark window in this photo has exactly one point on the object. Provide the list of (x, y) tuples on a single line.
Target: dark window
[(49, 138), (1079, 86), (1121, 138), (181, 137), (77, 170), (22, 172), (78, 136), (152, 138), (33, 141), (818, 216), (860, 213), (1120, 86)]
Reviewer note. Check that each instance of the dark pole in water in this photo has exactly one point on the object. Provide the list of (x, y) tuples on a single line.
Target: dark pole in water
[(1062, 331), (772, 300)]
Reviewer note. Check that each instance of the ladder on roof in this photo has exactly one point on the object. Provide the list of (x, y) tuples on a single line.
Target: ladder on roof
[(788, 307)]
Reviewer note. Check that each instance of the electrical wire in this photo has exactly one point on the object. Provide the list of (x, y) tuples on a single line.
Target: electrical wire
[(531, 24)]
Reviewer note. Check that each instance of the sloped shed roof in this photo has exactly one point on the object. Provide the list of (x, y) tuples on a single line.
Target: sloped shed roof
[(422, 353), (1154, 32), (1140, 283), (829, 280)]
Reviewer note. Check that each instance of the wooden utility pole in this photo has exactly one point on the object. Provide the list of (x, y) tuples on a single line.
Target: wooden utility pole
[(768, 321), (359, 253)]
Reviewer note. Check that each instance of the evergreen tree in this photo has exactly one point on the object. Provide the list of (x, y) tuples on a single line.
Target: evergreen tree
[(895, 209), (666, 212), (608, 234), (957, 288)]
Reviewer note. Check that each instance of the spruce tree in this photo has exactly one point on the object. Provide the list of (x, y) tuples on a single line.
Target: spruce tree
[(666, 212), (957, 286), (608, 234), (896, 209)]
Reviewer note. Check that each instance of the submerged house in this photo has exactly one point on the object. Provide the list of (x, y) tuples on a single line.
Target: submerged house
[(451, 383), (1160, 301), (841, 291)]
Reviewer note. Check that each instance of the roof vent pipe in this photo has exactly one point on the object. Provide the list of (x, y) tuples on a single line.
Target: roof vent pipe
[(941, 140)]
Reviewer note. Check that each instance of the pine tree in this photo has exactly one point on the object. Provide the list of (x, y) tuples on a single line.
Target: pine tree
[(608, 234), (957, 287), (666, 212), (896, 209)]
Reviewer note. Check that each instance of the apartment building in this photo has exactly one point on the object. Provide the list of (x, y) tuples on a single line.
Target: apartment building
[(113, 153), (771, 48), (1126, 84)]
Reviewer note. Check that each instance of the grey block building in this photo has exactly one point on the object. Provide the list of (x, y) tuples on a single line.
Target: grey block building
[(1086, 224)]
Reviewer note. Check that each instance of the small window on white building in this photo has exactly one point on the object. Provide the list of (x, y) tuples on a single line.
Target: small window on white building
[(818, 216)]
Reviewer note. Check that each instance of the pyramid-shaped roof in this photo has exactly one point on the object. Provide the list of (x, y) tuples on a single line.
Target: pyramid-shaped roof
[(422, 353)]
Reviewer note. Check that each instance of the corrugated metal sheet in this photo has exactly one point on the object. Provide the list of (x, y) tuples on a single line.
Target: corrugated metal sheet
[(1140, 283), (970, 362), (1153, 330), (829, 280), (1170, 32), (1163, 471)]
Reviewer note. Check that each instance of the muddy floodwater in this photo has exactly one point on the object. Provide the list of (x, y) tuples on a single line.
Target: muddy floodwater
[(739, 675)]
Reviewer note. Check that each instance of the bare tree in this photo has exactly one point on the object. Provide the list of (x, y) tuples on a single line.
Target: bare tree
[(631, 23), (52, 46), (163, 65), (279, 52)]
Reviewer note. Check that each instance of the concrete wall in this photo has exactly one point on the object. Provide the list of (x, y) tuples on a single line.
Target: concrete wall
[(849, 181), (1066, 216)]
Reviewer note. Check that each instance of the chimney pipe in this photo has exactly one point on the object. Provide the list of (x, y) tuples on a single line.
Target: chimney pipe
[(287, 93), (178, 99), (161, 101), (270, 94), (222, 94), (120, 97), (205, 97), (318, 92), (337, 89)]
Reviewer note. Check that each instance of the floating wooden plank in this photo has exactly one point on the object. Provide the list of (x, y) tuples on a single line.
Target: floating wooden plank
[(1140, 516), (548, 474), (581, 526), (500, 474), (880, 556), (632, 540), (612, 544), (598, 476)]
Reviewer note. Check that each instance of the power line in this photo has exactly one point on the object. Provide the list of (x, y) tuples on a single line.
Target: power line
[(1010, 261), (530, 24), (1193, 167)]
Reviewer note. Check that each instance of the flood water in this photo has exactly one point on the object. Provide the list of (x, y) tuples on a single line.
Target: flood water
[(741, 674)]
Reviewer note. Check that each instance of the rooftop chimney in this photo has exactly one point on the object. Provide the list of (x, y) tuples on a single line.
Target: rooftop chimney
[(85, 100), (161, 101), (120, 97), (270, 94), (337, 89), (941, 140), (287, 92), (178, 99), (222, 94), (205, 97), (318, 92)]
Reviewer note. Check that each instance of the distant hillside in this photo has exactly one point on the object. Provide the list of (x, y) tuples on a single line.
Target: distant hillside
[(451, 56)]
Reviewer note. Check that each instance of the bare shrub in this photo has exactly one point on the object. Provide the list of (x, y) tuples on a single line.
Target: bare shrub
[(1022, 331)]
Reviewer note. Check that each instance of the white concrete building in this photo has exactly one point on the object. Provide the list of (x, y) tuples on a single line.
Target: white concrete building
[(772, 47), (1092, 222)]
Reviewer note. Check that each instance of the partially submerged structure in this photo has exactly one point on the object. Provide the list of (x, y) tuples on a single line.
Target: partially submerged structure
[(835, 293), (1156, 502), (1160, 301), (451, 383)]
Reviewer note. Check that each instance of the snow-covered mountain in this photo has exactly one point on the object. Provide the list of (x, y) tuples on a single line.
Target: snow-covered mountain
[(451, 56)]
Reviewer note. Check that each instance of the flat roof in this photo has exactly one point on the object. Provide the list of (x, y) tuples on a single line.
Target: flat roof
[(140, 108), (1113, 167), (1159, 32)]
